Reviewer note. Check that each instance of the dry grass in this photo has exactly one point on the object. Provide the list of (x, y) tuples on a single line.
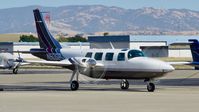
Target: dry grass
[(9, 37), (172, 59)]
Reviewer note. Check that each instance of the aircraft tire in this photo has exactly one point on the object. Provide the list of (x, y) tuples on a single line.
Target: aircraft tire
[(150, 87), (124, 85), (74, 85)]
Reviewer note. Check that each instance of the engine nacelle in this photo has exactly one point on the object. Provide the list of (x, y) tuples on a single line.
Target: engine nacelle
[(91, 63), (83, 62), (87, 66)]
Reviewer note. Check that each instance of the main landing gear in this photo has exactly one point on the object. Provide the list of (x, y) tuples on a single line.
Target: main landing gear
[(150, 87), (124, 85), (74, 84)]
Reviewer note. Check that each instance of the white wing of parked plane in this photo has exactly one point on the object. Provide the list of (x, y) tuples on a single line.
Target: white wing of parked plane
[(184, 63), (179, 63), (2, 66)]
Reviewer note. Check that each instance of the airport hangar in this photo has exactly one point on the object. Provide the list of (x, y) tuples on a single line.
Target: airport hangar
[(152, 46)]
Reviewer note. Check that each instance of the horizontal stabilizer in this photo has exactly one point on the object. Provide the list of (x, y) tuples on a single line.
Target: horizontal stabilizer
[(25, 52), (29, 52)]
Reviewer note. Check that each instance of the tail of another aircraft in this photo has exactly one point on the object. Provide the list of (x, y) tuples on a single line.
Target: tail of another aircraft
[(46, 41), (194, 49)]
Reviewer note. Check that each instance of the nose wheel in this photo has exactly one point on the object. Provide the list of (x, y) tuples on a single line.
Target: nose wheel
[(124, 84)]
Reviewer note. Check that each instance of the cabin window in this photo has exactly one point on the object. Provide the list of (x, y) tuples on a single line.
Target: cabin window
[(135, 53), (109, 56), (121, 57), (89, 55), (98, 56)]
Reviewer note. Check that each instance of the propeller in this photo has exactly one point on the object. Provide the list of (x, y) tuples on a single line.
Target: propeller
[(83, 62), (89, 67)]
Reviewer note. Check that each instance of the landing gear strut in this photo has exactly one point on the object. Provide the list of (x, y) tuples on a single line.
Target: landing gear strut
[(74, 84), (124, 84), (15, 71)]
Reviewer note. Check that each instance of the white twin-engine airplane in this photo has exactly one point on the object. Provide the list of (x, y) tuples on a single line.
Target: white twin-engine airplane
[(97, 63)]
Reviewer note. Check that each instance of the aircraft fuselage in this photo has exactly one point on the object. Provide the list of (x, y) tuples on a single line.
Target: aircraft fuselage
[(118, 63)]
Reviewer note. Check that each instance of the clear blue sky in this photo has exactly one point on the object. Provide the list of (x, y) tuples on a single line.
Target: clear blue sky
[(129, 4)]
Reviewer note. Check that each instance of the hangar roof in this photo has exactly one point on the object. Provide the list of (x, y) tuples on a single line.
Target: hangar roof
[(62, 43), (168, 38), (6, 43), (139, 38), (109, 38)]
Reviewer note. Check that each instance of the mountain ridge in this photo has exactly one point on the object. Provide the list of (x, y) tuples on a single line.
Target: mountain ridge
[(98, 18)]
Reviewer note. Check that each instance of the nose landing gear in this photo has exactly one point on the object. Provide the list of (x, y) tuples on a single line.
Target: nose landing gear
[(150, 85)]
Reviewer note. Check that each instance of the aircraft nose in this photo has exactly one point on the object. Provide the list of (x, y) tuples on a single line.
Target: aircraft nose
[(153, 64), (161, 65), (167, 67)]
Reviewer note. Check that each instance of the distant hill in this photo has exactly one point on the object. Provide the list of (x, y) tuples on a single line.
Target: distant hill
[(98, 18)]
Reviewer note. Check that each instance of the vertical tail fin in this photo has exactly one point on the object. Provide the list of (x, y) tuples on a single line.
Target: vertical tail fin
[(46, 40), (194, 49)]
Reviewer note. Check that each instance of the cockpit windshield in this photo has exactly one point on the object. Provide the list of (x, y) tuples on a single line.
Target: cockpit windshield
[(135, 53)]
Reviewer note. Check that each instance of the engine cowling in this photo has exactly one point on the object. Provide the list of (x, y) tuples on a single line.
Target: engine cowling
[(91, 63), (83, 62), (87, 66)]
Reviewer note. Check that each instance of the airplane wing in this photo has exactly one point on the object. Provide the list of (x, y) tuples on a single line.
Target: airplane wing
[(66, 62), (51, 63), (179, 63), (184, 63)]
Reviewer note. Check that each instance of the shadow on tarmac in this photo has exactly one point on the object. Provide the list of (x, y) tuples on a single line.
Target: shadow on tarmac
[(50, 88), (96, 86)]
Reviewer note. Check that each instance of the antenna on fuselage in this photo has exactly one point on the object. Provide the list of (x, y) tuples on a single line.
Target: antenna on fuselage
[(80, 44)]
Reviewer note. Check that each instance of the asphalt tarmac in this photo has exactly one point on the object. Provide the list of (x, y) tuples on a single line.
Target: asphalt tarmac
[(41, 90)]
